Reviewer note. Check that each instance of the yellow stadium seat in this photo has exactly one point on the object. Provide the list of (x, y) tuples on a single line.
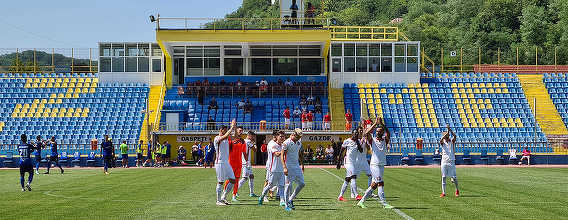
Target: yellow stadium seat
[(474, 85), (361, 96), (58, 101), (361, 91), (420, 95), (375, 91), (68, 114), (87, 80), (460, 85), (375, 85), (454, 85), (36, 80), (469, 90), (67, 95), (399, 101), (481, 85), (503, 85), (369, 96), (465, 101), (428, 96), (476, 91), (45, 115), (424, 85), (383, 90), (411, 91), (76, 115), (95, 81), (368, 91), (463, 96), (392, 101), (92, 90), (391, 96), (84, 114), (79, 85), (66, 80), (376, 96), (377, 101), (369, 101), (505, 90), (418, 91), (497, 90), (405, 90)]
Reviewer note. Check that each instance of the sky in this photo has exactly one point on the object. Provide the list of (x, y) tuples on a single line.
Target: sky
[(84, 23)]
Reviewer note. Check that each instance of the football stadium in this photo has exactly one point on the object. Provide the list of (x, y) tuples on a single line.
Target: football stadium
[(418, 109)]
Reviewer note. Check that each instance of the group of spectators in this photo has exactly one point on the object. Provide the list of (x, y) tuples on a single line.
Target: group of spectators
[(306, 117), (245, 105)]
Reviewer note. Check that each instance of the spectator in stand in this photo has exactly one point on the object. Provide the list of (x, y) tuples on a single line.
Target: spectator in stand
[(336, 147), (181, 91), (318, 107), (222, 82), (296, 115), (303, 102), (248, 106), (526, 156), (263, 85), (181, 155), (329, 154), (211, 124), (348, 120), (310, 14), (200, 95), (286, 115), (326, 122), (304, 120), (288, 83), (310, 100), (280, 82), (310, 120), (206, 83), (366, 122), (239, 83), (241, 104), (213, 104)]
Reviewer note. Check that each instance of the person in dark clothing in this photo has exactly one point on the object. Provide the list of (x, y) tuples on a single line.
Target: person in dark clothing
[(107, 151), (213, 104), (211, 124)]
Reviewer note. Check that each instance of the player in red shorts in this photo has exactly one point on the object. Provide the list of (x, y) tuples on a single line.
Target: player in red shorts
[(236, 149)]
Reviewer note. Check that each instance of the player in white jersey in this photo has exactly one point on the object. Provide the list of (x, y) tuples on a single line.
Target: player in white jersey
[(362, 163), (349, 150), (379, 147), (448, 164), (276, 169), (292, 151), (222, 167), (247, 174), (268, 162)]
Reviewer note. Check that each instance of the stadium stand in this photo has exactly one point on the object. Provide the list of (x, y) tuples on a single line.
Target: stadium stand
[(486, 110), (557, 85), (74, 108), (267, 104)]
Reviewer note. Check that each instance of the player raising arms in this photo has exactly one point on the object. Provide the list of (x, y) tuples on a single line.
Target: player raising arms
[(247, 174), (292, 158), (26, 165), (54, 157), (448, 164), (236, 149), (362, 163), (222, 166), (349, 150), (276, 169), (38, 145), (379, 147)]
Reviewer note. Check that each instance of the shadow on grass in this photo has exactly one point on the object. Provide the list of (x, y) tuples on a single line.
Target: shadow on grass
[(317, 209), (473, 196)]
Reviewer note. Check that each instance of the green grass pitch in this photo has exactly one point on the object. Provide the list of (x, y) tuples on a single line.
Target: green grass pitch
[(486, 193)]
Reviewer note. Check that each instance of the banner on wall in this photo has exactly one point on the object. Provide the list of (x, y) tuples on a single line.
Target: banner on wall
[(314, 138), (195, 138)]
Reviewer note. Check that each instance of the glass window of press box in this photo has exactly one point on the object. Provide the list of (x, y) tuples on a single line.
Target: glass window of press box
[(375, 57), (130, 57), (248, 60)]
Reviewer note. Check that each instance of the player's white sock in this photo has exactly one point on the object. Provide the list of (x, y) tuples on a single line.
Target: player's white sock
[(219, 191), (368, 193), (281, 193), (274, 188), (354, 186), (228, 189), (343, 188), (296, 191), (381, 193), (251, 186), (241, 183), (443, 185), (456, 183), (265, 190)]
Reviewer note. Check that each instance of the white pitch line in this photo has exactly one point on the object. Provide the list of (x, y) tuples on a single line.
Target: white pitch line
[(402, 214)]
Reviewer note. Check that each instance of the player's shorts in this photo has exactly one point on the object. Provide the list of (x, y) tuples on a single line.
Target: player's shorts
[(26, 167), (246, 171), (310, 125), (224, 172), (108, 160), (525, 157), (294, 175), (377, 173), (268, 175), (125, 156), (149, 156), (208, 158), (350, 170), (448, 169), (363, 167), (276, 179), (139, 156), (326, 126), (54, 159), (164, 156), (237, 171), (304, 125), (38, 158), (286, 121)]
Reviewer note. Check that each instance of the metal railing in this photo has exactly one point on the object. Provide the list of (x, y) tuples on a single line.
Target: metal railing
[(53, 60), (70, 149), (164, 23), (252, 91), (257, 126), (364, 33)]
